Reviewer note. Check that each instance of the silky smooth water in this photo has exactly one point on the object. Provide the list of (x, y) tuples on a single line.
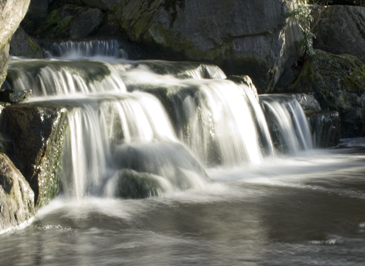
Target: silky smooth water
[(236, 183), (304, 210)]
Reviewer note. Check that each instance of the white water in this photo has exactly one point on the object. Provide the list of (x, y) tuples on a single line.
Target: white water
[(115, 103)]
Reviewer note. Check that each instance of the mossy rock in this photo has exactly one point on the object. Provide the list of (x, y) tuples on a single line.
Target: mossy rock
[(134, 185), (338, 83)]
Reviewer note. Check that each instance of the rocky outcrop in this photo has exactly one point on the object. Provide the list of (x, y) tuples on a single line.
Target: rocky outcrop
[(16, 196), (9, 21), (338, 83), (340, 30), (23, 45), (71, 22), (33, 139), (254, 38)]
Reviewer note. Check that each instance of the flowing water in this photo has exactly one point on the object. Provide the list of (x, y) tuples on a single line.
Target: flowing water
[(169, 163)]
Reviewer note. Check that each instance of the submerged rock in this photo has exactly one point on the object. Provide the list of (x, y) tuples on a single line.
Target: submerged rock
[(16, 196), (340, 30), (232, 34), (338, 83), (157, 167), (34, 137), (136, 185)]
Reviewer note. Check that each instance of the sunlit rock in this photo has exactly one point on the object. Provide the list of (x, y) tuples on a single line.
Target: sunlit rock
[(16, 196)]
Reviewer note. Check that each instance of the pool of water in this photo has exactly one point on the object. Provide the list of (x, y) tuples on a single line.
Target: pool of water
[(303, 210)]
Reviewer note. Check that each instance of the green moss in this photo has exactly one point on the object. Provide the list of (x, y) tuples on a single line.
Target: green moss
[(62, 25)]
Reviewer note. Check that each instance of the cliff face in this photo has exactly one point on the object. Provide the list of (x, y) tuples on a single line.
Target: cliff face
[(241, 36), (11, 14)]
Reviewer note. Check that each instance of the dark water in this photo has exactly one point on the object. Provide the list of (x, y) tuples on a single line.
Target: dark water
[(305, 210)]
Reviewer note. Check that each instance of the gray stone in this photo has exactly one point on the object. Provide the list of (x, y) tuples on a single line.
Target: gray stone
[(34, 137), (11, 13), (338, 83), (23, 45), (16, 196), (87, 22), (340, 30), (246, 37)]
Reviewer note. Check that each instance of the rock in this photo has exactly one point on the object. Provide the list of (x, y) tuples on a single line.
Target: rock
[(340, 30), (11, 13), (338, 83), (134, 185), (325, 127), (12, 96), (307, 101), (16, 196), (71, 22), (86, 23), (109, 28), (37, 12), (34, 136), (171, 163), (100, 4), (23, 45), (231, 34)]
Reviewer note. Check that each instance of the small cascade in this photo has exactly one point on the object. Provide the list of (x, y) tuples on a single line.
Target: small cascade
[(70, 49), (56, 78), (287, 123), (100, 129), (221, 122), (128, 120)]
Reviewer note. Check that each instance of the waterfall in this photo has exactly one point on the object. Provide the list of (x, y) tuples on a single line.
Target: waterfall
[(70, 49), (287, 122), (144, 128)]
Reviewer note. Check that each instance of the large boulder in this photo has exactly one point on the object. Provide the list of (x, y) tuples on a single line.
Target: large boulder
[(248, 37), (16, 196), (23, 45), (33, 137), (340, 30), (11, 13), (37, 12), (338, 83)]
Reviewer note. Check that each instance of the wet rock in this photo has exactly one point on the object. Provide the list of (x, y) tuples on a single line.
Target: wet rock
[(11, 13), (16, 196), (86, 23), (171, 163), (232, 34), (12, 96), (23, 45), (338, 83), (340, 30), (307, 101), (34, 136), (134, 185), (325, 127)]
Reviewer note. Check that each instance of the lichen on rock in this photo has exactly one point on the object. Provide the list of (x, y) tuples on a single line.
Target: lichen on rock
[(338, 83)]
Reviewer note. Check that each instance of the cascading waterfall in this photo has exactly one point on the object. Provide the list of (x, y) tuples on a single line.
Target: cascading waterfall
[(70, 49), (127, 120), (288, 123)]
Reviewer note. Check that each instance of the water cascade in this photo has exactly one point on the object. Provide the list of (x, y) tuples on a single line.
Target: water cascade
[(287, 123), (143, 128)]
